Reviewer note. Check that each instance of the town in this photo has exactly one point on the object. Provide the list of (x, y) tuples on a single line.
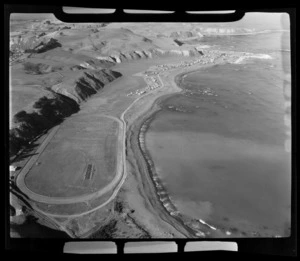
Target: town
[(152, 79), (151, 76)]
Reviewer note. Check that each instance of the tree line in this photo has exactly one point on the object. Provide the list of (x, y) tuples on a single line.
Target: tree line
[(49, 111)]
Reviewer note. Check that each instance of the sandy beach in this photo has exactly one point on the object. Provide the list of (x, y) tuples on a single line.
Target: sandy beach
[(139, 191), (149, 130), (171, 85), (147, 212)]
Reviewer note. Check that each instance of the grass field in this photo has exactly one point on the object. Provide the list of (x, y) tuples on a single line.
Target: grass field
[(80, 159), (74, 208), (25, 88)]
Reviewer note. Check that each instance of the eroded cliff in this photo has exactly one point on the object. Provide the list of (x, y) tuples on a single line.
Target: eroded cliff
[(61, 101)]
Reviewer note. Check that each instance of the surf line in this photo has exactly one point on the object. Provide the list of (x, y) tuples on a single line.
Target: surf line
[(161, 191), (204, 223)]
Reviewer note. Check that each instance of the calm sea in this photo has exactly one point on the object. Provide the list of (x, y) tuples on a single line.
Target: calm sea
[(219, 145)]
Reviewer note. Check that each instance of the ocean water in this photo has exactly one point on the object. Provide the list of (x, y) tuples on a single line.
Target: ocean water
[(219, 146)]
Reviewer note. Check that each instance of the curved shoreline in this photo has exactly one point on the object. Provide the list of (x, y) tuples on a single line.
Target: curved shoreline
[(160, 189), (195, 228)]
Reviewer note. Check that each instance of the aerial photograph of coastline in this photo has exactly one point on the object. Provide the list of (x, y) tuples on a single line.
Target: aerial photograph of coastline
[(150, 129)]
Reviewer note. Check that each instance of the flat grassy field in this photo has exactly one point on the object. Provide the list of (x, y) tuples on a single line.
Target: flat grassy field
[(74, 208), (25, 89), (79, 160)]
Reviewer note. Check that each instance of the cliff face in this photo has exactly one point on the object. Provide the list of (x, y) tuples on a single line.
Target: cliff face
[(62, 101), (224, 31), (185, 34), (119, 57), (87, 83)]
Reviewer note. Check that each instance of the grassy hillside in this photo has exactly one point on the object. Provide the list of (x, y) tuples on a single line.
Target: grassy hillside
[(57, 104)]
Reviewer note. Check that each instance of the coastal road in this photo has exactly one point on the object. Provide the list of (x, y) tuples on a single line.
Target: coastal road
[(114, 185), (123, 160)]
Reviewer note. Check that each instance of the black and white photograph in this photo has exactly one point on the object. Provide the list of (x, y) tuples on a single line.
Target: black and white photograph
[(148, 130)]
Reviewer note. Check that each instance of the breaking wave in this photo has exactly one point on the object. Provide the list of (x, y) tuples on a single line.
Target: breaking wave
[(253, 56)]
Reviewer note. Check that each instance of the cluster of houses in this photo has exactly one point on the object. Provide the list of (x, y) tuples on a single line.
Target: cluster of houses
[(152, 83), (152, 79)]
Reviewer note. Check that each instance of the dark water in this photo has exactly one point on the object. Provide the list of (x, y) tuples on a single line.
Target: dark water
[(219, 146)]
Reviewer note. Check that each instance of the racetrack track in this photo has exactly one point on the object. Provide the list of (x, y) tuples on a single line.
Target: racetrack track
[(21, 182), (121, 172)]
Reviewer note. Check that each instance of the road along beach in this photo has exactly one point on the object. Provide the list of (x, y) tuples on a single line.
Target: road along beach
[(152, 190), (223, 130), (139, 191)]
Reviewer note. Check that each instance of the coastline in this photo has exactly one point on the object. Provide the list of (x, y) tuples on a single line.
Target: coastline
[(154, 214), (201, 138), (152, 190), (140, 193), (148, 177)]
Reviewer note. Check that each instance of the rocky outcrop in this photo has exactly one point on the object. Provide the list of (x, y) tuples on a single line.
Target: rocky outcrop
[(91, 82), (87, 83)]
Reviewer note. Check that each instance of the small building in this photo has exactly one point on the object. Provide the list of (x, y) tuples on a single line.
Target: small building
[(19, 212), (12, 168)]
